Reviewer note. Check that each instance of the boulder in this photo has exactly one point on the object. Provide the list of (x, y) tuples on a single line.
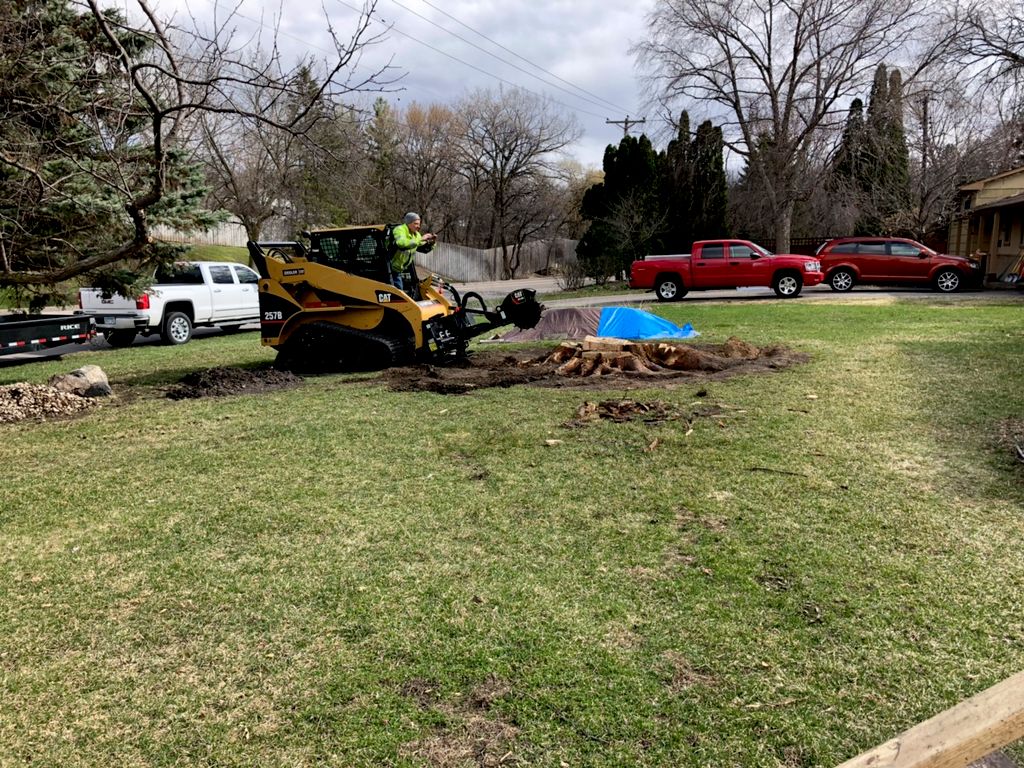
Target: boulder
[(87, 381)]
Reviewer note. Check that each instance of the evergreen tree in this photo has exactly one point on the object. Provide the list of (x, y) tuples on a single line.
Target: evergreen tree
[(850, 155), (678, 181), (383, 145), (872, 163), (74, 151), (897, 153), (709, 191), (628, 211)]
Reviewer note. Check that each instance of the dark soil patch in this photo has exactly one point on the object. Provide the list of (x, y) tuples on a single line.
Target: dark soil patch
[(482, 370), (529, 366), (218, 382), (619, 411), (469, 734)]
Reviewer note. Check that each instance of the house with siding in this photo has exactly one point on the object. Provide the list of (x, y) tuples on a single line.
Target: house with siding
[(989, 224)]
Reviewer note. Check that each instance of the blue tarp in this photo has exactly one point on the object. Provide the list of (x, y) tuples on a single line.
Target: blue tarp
[(627, 323)]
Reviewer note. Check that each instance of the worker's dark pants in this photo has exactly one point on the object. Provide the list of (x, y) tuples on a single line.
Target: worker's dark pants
[(407, 281)]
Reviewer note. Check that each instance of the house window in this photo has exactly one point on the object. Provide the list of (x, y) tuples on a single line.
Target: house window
[(967, 203)]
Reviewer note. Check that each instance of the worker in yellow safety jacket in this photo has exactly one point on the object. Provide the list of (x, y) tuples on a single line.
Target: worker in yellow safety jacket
[(407, 242)]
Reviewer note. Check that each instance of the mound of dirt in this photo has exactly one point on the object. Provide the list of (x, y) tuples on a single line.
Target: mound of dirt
[(218, 382), (662, 365), (36, 401)]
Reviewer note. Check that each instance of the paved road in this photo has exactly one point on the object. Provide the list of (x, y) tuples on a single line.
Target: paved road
[(497, 289)]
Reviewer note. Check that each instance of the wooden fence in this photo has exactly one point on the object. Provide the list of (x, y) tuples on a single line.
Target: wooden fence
[(455, 262)]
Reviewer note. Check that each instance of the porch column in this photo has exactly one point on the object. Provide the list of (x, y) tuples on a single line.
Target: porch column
[(993, 241)]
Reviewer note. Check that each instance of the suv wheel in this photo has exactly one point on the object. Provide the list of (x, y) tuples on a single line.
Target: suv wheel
[(787, 285), (948, 280), (841, 280), (177, 328)]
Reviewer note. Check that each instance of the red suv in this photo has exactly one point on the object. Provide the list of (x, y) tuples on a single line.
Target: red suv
[(847, 261)]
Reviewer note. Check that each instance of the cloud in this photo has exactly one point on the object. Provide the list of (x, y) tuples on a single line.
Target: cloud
[(583, 42)]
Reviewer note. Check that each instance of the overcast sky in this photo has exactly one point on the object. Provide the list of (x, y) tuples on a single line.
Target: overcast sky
[(582, 44)]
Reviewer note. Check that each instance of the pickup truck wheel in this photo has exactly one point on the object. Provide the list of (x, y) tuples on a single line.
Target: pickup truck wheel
[(177, 328), (119, 338), (947, 281), (669, 289), (841, 280), (787, 285)]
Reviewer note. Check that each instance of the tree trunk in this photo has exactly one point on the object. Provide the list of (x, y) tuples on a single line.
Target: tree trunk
[(783, 227)]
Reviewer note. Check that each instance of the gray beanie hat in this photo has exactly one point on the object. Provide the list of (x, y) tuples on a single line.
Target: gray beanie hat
[(410, 217)]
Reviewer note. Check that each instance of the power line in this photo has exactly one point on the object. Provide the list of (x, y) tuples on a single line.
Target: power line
[(601, 102), (393, 28), (308, 44)]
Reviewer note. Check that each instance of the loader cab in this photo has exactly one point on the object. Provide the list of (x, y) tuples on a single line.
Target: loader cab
[(362, 251)]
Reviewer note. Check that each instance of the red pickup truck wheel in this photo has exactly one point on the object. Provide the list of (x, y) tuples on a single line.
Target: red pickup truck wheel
[(787, 285), (669, 288)]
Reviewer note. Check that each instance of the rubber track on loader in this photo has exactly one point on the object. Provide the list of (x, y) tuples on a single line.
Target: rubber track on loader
[(330, 345)]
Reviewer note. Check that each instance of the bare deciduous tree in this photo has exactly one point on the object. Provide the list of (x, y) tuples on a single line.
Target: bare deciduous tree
[(510, 144), (425, 164), (778, 71)]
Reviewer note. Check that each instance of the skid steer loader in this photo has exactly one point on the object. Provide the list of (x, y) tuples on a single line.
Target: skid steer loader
[(332, 306)]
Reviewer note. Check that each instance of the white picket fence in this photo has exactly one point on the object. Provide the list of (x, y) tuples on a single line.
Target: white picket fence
[(455, 262)]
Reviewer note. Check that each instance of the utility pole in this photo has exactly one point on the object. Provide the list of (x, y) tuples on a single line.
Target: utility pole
[(626, 123)]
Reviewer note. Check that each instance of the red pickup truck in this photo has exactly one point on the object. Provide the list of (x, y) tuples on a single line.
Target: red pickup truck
[(724, 264)]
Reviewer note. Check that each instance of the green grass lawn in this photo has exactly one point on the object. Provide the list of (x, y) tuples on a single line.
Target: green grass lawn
[(344, 575), (219, 253)]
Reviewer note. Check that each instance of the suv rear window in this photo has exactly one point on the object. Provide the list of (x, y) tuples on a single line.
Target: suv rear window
[(903, 249), (871, 249), (844, 248)]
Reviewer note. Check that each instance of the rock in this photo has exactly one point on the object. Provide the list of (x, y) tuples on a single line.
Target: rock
[(87, 381)]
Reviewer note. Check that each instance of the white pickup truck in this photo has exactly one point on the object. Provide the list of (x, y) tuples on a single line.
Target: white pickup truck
[(184, 295)]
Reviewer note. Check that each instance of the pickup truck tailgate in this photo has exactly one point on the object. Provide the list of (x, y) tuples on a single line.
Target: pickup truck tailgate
[(93, 301)]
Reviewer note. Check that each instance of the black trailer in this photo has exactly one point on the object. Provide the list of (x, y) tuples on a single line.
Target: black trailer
[(26, 333)]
